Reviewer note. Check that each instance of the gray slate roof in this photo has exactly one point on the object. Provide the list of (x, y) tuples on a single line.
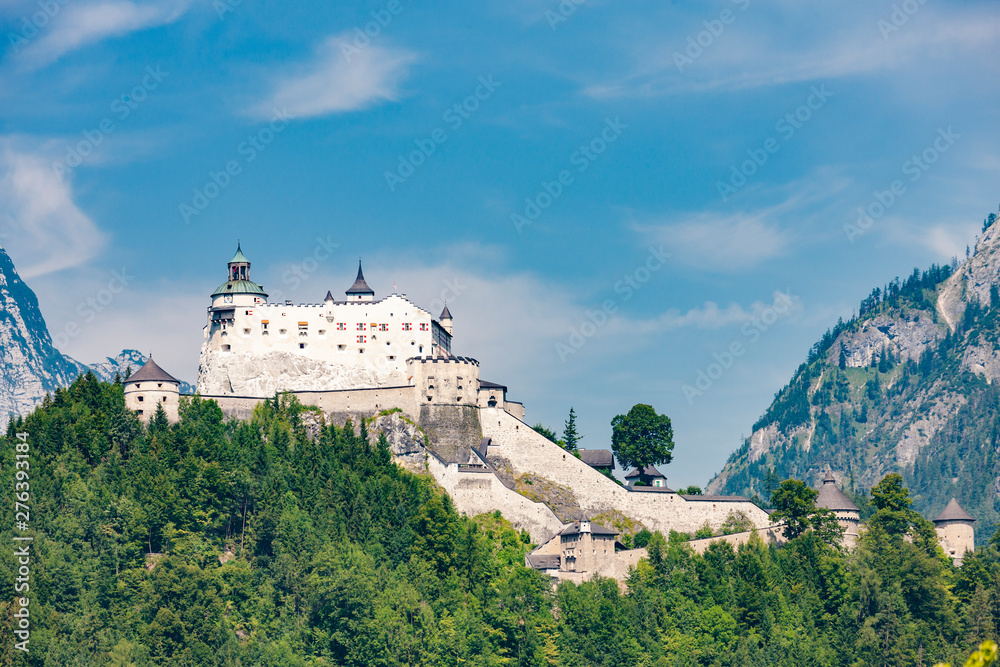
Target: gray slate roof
[(150, 372), (953, 512), (832, 498), (445, 314), (598, 458), (648, 471), (483, 384), (595, 529), (360, 286), (544, 562)]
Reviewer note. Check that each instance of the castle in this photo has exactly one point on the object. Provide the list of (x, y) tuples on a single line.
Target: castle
[(363, 358)]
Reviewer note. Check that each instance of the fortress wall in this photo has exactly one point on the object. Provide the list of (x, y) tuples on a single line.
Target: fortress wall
[(529, 452), (769, 535), (481, 493), (355, 402), (236, 407), (453, 430)]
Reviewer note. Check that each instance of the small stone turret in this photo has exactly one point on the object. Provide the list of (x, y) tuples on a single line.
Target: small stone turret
[(848, 515), (955, 532), (444, 319), (151, 386)]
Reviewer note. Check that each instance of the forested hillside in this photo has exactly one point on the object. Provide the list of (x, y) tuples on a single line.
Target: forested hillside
[(907, 385), (333, 555)]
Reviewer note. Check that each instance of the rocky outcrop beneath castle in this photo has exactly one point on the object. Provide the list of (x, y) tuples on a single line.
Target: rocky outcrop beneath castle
[(246, 374), (453, 430)]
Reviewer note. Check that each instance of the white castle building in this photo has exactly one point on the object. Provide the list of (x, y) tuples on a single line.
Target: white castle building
[(256, 348)]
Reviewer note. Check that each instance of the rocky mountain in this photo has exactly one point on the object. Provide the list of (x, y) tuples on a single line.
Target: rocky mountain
[(30, 366), (907, 385)]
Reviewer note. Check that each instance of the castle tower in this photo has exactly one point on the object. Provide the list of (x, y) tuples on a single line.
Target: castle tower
[(955, 532), (238, 290), (848, 515), (360, 291), (445, 320), (151, 386)]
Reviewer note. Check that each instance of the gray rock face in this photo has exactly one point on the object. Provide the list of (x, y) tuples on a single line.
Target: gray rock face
[(906, 337), (262, 375), (30, 366), (404, 437), (972, 280)]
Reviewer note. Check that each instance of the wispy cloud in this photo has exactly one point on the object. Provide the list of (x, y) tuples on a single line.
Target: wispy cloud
[(39, 218), (79, 25), (333, 83), (741, 59), (721, 242)]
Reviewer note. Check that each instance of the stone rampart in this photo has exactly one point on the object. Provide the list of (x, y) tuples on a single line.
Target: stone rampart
[(529, 452)]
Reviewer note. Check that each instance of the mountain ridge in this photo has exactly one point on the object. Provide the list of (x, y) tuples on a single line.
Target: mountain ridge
[(907, 385)]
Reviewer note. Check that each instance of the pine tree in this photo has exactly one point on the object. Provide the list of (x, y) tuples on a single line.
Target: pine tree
[(571, 438), (842, 363)]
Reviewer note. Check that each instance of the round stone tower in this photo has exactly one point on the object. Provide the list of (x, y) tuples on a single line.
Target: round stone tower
[(151, 386), (955, 532), (848, 515)]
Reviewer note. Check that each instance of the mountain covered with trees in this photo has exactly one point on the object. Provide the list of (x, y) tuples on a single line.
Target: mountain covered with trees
[(907, 385), (283, 540)]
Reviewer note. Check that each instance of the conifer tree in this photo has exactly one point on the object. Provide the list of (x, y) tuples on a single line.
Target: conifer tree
[(571, 438)]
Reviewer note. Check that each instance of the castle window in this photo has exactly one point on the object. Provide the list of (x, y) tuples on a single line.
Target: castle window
[(341, 347), (302, 346), (407, 326), (164, 399), (361, 350), (246, 332), (322, 332), (392, 357), (361, 326), (341, 326), (383, 327), (282, 332), (226, 348), (139, 411), (374, 326), (361, 339), (423, 327), (141, 398)]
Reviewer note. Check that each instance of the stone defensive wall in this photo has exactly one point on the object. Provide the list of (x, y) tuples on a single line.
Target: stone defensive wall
[(476, 490), (339, 404), (529, 452)]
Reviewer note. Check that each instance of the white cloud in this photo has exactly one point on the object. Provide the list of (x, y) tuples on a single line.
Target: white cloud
[(79, 25), (721, 243), (340, 78), (41, 222)]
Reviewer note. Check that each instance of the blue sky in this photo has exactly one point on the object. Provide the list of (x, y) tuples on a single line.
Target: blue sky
[(624, 193)]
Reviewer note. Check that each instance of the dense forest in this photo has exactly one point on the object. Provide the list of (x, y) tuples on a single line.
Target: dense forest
[(285, 541), (855, 415)]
